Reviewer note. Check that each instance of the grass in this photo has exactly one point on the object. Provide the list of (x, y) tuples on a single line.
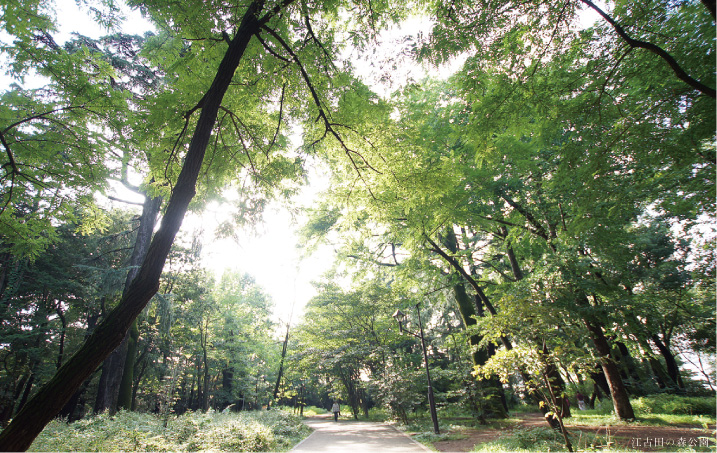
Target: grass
[(592, 418), (541, 439), (654, 410), (131, 431), (309, 411)]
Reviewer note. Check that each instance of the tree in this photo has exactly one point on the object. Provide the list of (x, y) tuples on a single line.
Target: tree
[(255, 20)]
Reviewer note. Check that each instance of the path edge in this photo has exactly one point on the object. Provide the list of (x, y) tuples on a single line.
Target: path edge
[(305, 439), (412, 439)]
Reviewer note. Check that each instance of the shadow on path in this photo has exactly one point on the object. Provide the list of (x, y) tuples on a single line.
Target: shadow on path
[(356, 437)]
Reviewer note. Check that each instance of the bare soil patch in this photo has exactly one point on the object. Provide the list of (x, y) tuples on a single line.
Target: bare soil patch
[(643, 438)]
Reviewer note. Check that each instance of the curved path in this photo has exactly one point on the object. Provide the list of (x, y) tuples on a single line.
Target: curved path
[(356, 437)]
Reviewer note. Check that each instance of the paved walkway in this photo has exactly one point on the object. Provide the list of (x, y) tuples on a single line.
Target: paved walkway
[(356, 437)]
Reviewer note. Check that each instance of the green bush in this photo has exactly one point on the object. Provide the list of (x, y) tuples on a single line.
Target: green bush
[(674, 404), (130, 431)]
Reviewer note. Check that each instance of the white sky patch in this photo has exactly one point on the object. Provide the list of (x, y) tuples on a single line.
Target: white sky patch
[(269, 253)]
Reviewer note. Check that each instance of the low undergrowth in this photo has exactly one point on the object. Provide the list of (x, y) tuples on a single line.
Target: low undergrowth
[(541, 439), (212, 431)]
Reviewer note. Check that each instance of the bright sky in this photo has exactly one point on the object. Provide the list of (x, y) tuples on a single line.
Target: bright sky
[(269, 252)]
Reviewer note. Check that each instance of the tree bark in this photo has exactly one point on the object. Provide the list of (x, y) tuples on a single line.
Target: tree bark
[(281, 363), (494, 396), (672, 369), (495, 405), (147, 222), (110, 377), (50, 399), (630, 368), (124, 394), (620, 399)]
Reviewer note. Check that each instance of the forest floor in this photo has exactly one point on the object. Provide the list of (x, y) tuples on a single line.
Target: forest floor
[(618, 437)]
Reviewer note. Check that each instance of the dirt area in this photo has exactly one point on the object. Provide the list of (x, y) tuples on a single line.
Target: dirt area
[(643, 438)]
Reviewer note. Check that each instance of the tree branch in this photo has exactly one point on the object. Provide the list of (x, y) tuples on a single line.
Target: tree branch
[(328, 125), (669, 59)]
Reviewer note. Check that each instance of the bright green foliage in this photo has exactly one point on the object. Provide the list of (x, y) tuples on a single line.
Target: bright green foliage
[(400, 389), (548, 154), (212, 431), (344, 336)]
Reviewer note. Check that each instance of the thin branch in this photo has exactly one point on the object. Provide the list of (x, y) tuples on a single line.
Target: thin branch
[(110, 197), (376, 262), (271, 51), (43, 116), (278, 124), (316, 40), (10, 156)]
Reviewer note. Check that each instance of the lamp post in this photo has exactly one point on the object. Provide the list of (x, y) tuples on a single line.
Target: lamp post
[(400, 316)]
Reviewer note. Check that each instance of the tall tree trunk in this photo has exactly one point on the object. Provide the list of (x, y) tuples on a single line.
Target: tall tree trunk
[(600, 381), (147, 223), (641, 333), (620, 399), (494, 404), (63, 333), (26, 392), (205, 390), (124, 394), (630, 368), (49, 400), (553, 421), (281, 363), (227, 384), (70, 410), (135, 384), (110, 378)]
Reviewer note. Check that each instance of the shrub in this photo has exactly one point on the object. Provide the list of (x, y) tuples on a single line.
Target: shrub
[(674, 404), (131, 431)]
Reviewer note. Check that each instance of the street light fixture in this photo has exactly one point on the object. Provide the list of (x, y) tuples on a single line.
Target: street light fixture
[(400, 317)]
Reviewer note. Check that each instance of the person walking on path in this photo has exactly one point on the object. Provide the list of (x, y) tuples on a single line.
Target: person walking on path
[(581, 401), (336, 409)]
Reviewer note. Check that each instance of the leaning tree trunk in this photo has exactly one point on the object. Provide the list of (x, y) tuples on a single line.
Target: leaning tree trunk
[(618, 392), (493, 399), (50, 399), (281, 363), (673, 370)]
